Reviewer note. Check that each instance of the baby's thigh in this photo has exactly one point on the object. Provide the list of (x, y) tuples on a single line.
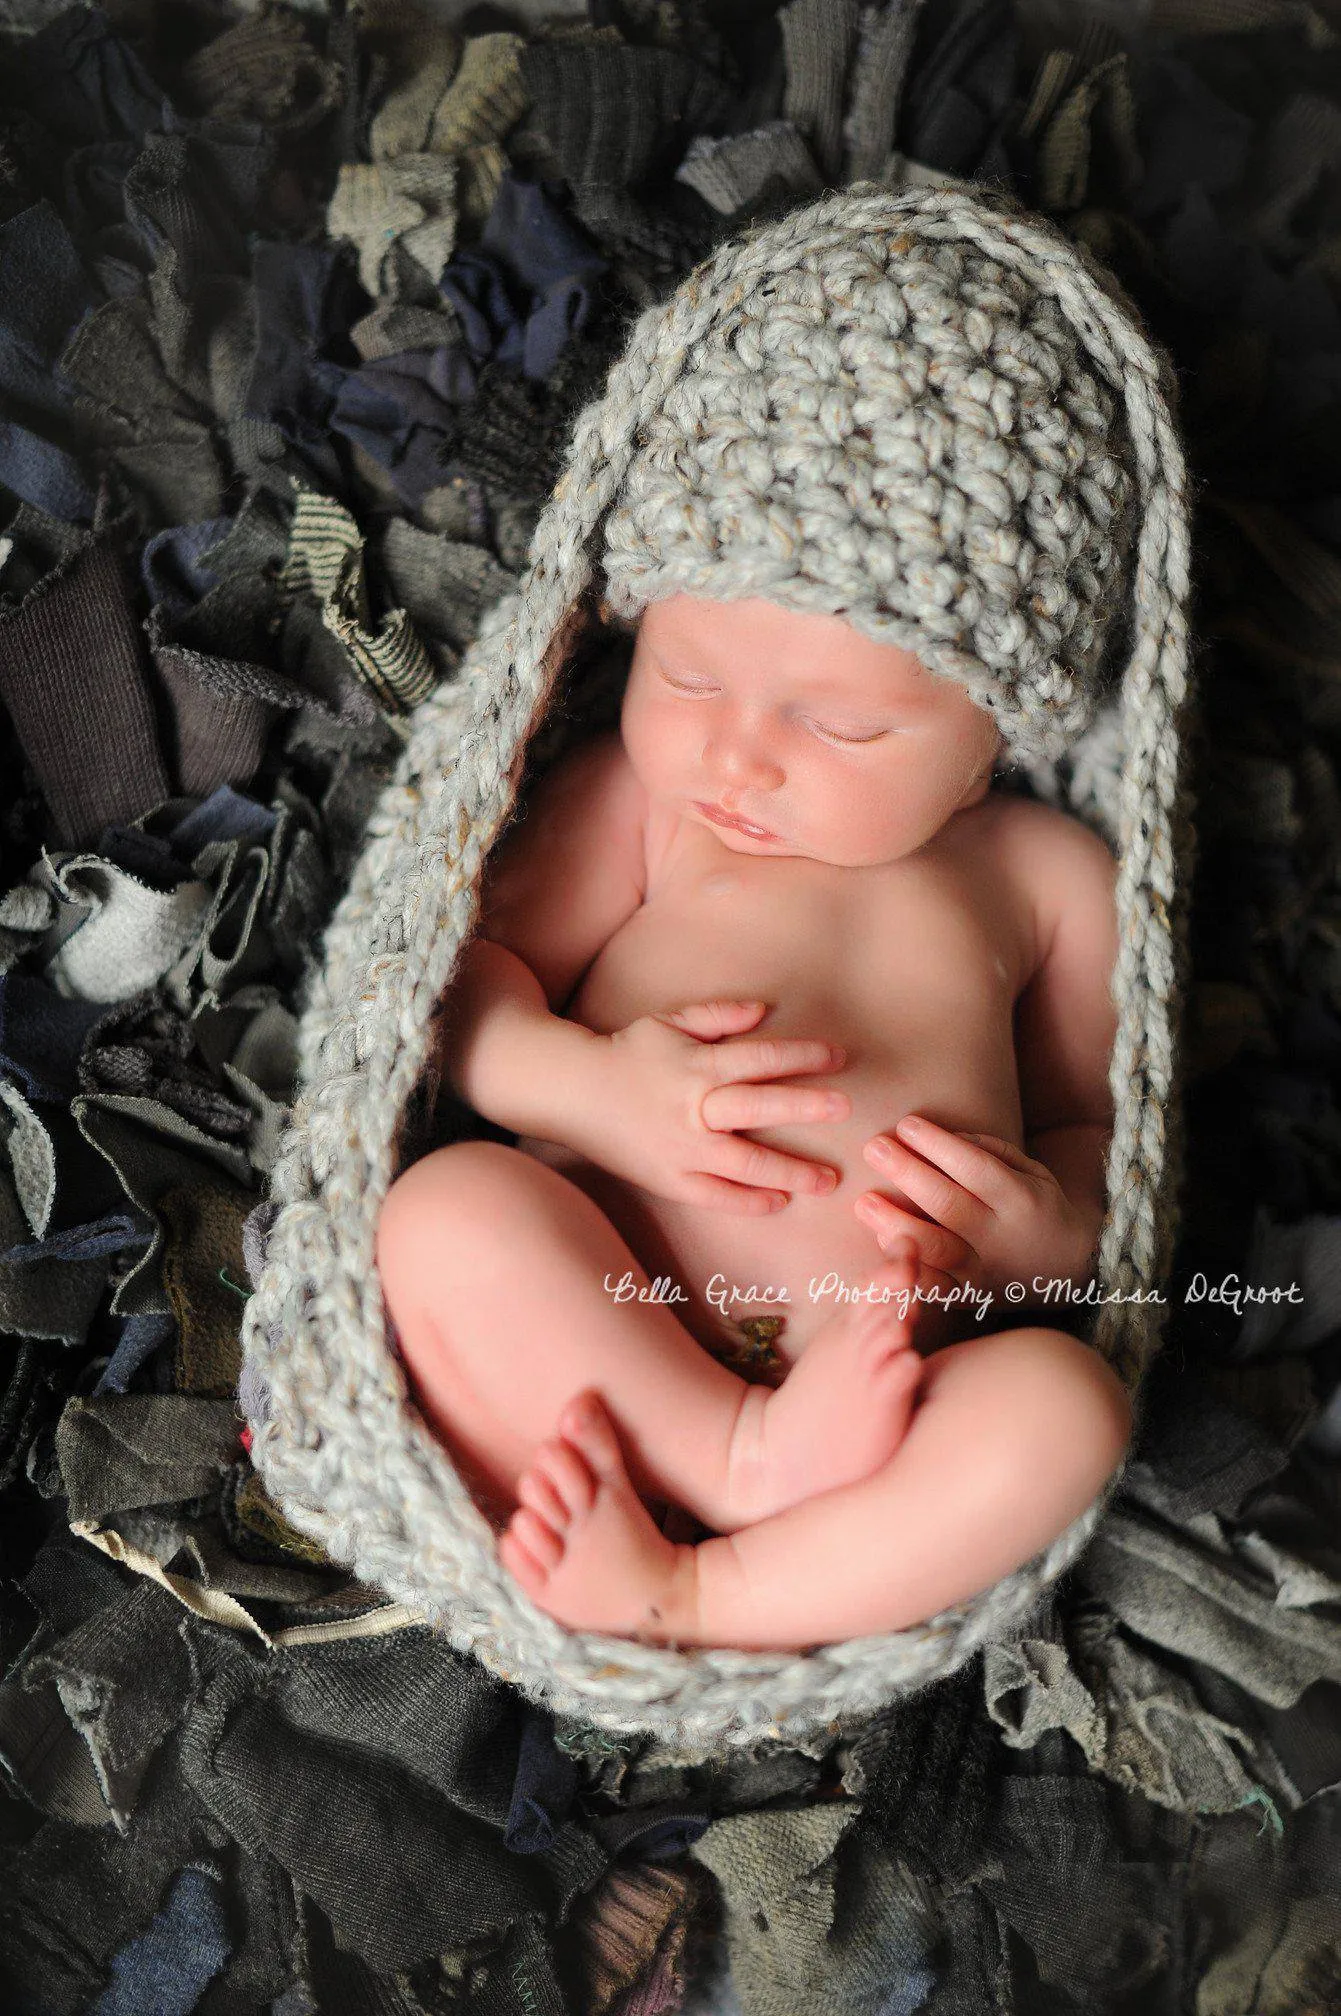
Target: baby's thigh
[(473, 1239)]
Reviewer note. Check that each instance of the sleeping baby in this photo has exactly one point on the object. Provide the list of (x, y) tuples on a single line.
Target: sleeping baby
[(803, 1031)]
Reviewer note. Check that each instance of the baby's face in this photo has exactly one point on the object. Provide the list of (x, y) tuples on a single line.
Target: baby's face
[(836, 748)]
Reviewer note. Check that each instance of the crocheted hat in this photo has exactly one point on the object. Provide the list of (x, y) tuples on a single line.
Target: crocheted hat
[(930, 414)]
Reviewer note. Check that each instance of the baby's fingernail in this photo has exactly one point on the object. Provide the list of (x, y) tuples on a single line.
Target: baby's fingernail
[(827, 1180), (835, 1102), (878, 1150)]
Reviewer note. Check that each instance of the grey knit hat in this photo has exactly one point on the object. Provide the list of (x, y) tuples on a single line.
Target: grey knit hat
[(890, 420), (926, 412)]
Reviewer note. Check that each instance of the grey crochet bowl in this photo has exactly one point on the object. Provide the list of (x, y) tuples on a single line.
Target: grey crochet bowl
[(337, 1440)]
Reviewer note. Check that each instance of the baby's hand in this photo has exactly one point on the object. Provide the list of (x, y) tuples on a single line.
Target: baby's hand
[(993, 1213), (671, 1089)]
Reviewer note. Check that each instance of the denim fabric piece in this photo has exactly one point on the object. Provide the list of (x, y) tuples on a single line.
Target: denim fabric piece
[(72, 1897), (402, 411), (165, 1971), (84, 83), (41, 1036), (43, 474), (172, 564), (141, 1337), (47, 292), (307, 298), (224, 815), (542, 1792), (548, 258), (417, 1864)]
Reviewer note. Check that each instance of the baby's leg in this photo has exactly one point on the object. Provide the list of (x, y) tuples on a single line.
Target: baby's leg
[(493, 1267), (1014, 1437)]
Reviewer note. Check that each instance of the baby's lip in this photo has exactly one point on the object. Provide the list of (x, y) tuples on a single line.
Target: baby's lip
[(722, 817)]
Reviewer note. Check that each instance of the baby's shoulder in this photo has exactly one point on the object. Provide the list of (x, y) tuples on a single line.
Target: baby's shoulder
[(1057, 862)]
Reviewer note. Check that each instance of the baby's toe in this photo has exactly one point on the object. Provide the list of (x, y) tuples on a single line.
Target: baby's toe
[(535, 1489), (590, 1430), (561, 1466), (522, 1565), (540, 1540)]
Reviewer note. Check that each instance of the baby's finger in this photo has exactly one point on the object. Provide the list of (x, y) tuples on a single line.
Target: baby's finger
[(727, 1108), (710, 1020), (739, 1200), (766, 1057), (936, 1247), (746, 1161)]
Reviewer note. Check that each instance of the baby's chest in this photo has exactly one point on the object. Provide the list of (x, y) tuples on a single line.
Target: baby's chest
[(937, 944)]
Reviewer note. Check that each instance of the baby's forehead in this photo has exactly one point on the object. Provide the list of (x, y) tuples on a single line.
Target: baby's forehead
[(761, 647)]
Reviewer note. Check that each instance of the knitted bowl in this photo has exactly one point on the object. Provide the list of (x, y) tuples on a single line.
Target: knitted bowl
[(337, 1439)]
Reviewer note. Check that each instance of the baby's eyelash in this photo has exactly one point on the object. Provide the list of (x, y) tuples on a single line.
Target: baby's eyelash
[(832, 734)]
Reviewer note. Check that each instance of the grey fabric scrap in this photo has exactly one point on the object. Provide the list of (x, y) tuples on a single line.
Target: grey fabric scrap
[(732, 173), (142, 1449), (153, 1150), (1303, 1261), (1194, 1593), (881, 63), (819, 37), (128, 935), (122, 1703)]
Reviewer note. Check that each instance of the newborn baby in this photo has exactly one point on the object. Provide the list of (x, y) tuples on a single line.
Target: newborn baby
[(793, 1017)]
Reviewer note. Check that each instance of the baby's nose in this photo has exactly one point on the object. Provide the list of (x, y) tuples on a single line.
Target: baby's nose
[(739, 761)]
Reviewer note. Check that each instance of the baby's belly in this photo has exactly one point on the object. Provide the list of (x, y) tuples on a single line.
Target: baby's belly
[(918, 995), (802, 1262)]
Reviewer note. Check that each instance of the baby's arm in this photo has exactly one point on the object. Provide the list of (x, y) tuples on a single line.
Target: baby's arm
[(1065, 1021), (557, 888)]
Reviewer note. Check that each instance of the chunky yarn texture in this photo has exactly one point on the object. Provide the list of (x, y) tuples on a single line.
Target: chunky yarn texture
[(927, 413)]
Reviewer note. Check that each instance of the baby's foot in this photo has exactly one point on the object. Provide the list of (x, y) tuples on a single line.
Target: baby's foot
[(842, 1410), (582, 1543)]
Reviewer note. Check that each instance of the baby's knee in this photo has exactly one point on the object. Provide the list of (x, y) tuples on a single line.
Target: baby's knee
[(1074, 1413), (447, 1201)]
